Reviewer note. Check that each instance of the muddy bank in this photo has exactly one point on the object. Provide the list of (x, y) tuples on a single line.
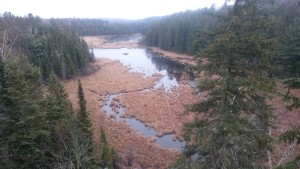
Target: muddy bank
[(181, 58)]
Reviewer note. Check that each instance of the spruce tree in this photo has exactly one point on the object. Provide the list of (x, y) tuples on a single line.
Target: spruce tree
[(27, 129), (289, 59), (58, 119), (3, 118), (289, 49), (83, 114), (56, 102), (85, 125), (2, 80), (107, 153), (233, 130)]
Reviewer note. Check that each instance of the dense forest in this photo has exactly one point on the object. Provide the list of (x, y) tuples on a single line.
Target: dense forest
[(97, 27), (255, 43), (177, 32), (38, 126), (249, 45)]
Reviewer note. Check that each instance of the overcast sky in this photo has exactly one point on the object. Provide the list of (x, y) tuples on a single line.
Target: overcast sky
[(127, 9)]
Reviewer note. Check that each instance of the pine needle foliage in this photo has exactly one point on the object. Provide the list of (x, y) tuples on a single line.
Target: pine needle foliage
[(83, 114), (233, 133), (107, 153), (289, 49)]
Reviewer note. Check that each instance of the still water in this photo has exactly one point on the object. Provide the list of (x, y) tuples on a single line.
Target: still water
[(147, 63)]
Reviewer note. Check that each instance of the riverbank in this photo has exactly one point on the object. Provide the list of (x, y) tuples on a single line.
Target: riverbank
[(155, 108), (105, 42), (181, 58), (113, 77)]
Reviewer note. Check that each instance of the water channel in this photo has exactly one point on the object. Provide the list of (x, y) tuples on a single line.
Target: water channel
[(147, 63)]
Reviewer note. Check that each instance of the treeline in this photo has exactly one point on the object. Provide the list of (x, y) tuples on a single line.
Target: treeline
[(255, 42), (39, 128), (191, 32), (177, 32), (96, 27), (48, 44)]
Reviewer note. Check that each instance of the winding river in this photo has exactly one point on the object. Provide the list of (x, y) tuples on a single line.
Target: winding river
[(147, 63)]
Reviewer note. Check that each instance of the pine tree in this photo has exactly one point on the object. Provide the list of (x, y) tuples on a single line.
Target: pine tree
[(233, 132)]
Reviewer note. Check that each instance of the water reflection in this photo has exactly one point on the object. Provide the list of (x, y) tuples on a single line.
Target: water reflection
[(165, 141), (146, 62), (121, 38)]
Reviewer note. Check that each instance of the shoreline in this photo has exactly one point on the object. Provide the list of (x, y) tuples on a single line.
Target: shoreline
[(180, 58), (144, 151), (103, 42), (120, 135)]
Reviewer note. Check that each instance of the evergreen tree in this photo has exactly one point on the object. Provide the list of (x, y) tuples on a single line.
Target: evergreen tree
[(85, 124), (83, 114), (107, 153), (177, 32), (70, 145), (59, 117), (37, 127), (27, 131), (56, 102), (3, 117), (289, 49), (1, 83), (289, 60), (233, 132), (81, 146)]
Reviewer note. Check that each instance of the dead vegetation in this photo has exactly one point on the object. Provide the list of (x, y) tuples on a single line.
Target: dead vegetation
[(181, 58), (105, 43), (157, 109), (160, 110), (134, 149)]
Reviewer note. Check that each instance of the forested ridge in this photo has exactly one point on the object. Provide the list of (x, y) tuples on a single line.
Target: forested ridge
[(177, 32), (38, 126), (250, 45), (98, 27), (48, 44), (254, 44)]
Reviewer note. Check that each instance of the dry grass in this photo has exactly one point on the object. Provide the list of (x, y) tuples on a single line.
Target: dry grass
[(103, 42), (156, 108), (181, 58), (285, 120), (160, 110), (112, 77)]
